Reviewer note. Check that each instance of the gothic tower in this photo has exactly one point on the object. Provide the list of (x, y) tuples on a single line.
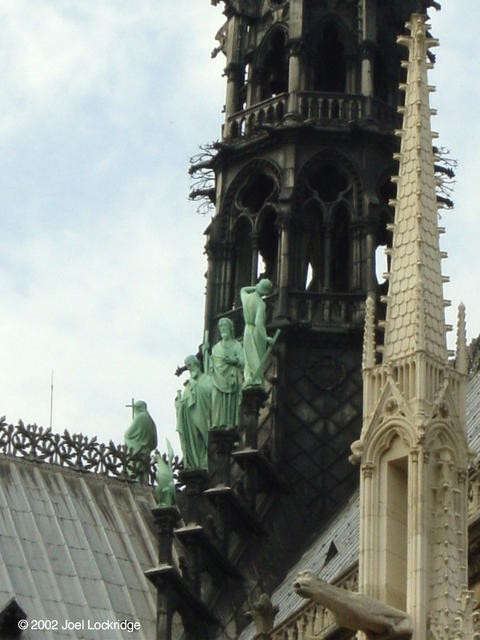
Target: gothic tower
[(302, 191), (413, 451)]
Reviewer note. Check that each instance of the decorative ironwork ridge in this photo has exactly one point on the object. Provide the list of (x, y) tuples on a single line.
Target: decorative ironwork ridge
[(80, 453)]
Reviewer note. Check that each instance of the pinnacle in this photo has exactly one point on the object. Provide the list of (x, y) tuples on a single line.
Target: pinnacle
[(415, 309)]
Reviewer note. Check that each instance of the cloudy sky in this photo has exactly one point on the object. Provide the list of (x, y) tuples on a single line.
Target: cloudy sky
[(101, 267)]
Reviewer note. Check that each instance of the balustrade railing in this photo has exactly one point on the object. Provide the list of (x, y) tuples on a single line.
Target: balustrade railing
[(326, 308), (326, 109), (79, 452), (307, 308), (333, 107), (313, 620), (267, 112)]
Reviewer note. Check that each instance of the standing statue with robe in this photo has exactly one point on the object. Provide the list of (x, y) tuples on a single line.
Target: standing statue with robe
[(193, 406), (226, 365), (141, 437), (255, 337)]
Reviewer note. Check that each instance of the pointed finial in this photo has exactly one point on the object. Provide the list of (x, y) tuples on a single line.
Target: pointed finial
[(369, 347), (461, 360)]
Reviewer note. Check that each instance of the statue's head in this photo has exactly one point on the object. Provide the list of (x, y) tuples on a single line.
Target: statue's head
[(139, 406), (193, 365), (264, 287), (225, 326)]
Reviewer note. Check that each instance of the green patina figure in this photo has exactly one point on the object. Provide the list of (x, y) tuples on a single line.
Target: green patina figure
[(255, 337), (193, 406), (141, 436), (165, 489), (226, 365)]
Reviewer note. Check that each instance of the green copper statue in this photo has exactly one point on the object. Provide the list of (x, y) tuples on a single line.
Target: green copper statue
[(226, 364), (165, 489), (255, 337), (193, 406), (141, 435)]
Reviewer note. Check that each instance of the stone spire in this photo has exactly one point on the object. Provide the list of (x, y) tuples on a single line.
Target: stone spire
[(415, 307), (412, 449)]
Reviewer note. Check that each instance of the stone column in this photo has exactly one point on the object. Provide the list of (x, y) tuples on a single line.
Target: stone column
[(327, 254), (283, 226), (226, 285), (254, 267), (356, 263), (370, 260), (195, 481), (234, 69), (235, 77), (253, 399), (212, 252), (165, 519), (367, 53), (294, 77), (223, 441)]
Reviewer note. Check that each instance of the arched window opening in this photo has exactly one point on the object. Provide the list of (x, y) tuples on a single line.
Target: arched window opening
[(340, 251), (328, 182), (243, 257), (330, 70), (387, 191), (275, 66), (315, 246), (380, 78), (268, 247), (256, 192), (381, 264), (309, 277), (395, 486)]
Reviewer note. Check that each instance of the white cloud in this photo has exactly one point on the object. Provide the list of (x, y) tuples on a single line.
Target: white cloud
[(101, 272)]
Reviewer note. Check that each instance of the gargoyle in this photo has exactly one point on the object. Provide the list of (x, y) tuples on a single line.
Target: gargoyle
[(354, 610), (263, 614)]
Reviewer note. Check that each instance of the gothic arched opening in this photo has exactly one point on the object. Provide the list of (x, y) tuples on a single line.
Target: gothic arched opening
[(340, 250), (315, 246), (330, 72), (242, 264), (328, 182), (380, 78), (258, 189), (383, 239), (274, 65), (268, 245)]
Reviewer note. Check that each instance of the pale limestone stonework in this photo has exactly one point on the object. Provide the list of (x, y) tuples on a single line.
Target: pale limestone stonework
[(412, 450)]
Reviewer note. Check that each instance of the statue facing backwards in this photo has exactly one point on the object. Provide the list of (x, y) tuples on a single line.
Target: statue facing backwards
[(255, 337), (141, 437)]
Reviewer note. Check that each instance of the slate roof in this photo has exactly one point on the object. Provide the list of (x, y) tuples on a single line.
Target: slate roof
[(344, 531), (473, 415), (73, 547)]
